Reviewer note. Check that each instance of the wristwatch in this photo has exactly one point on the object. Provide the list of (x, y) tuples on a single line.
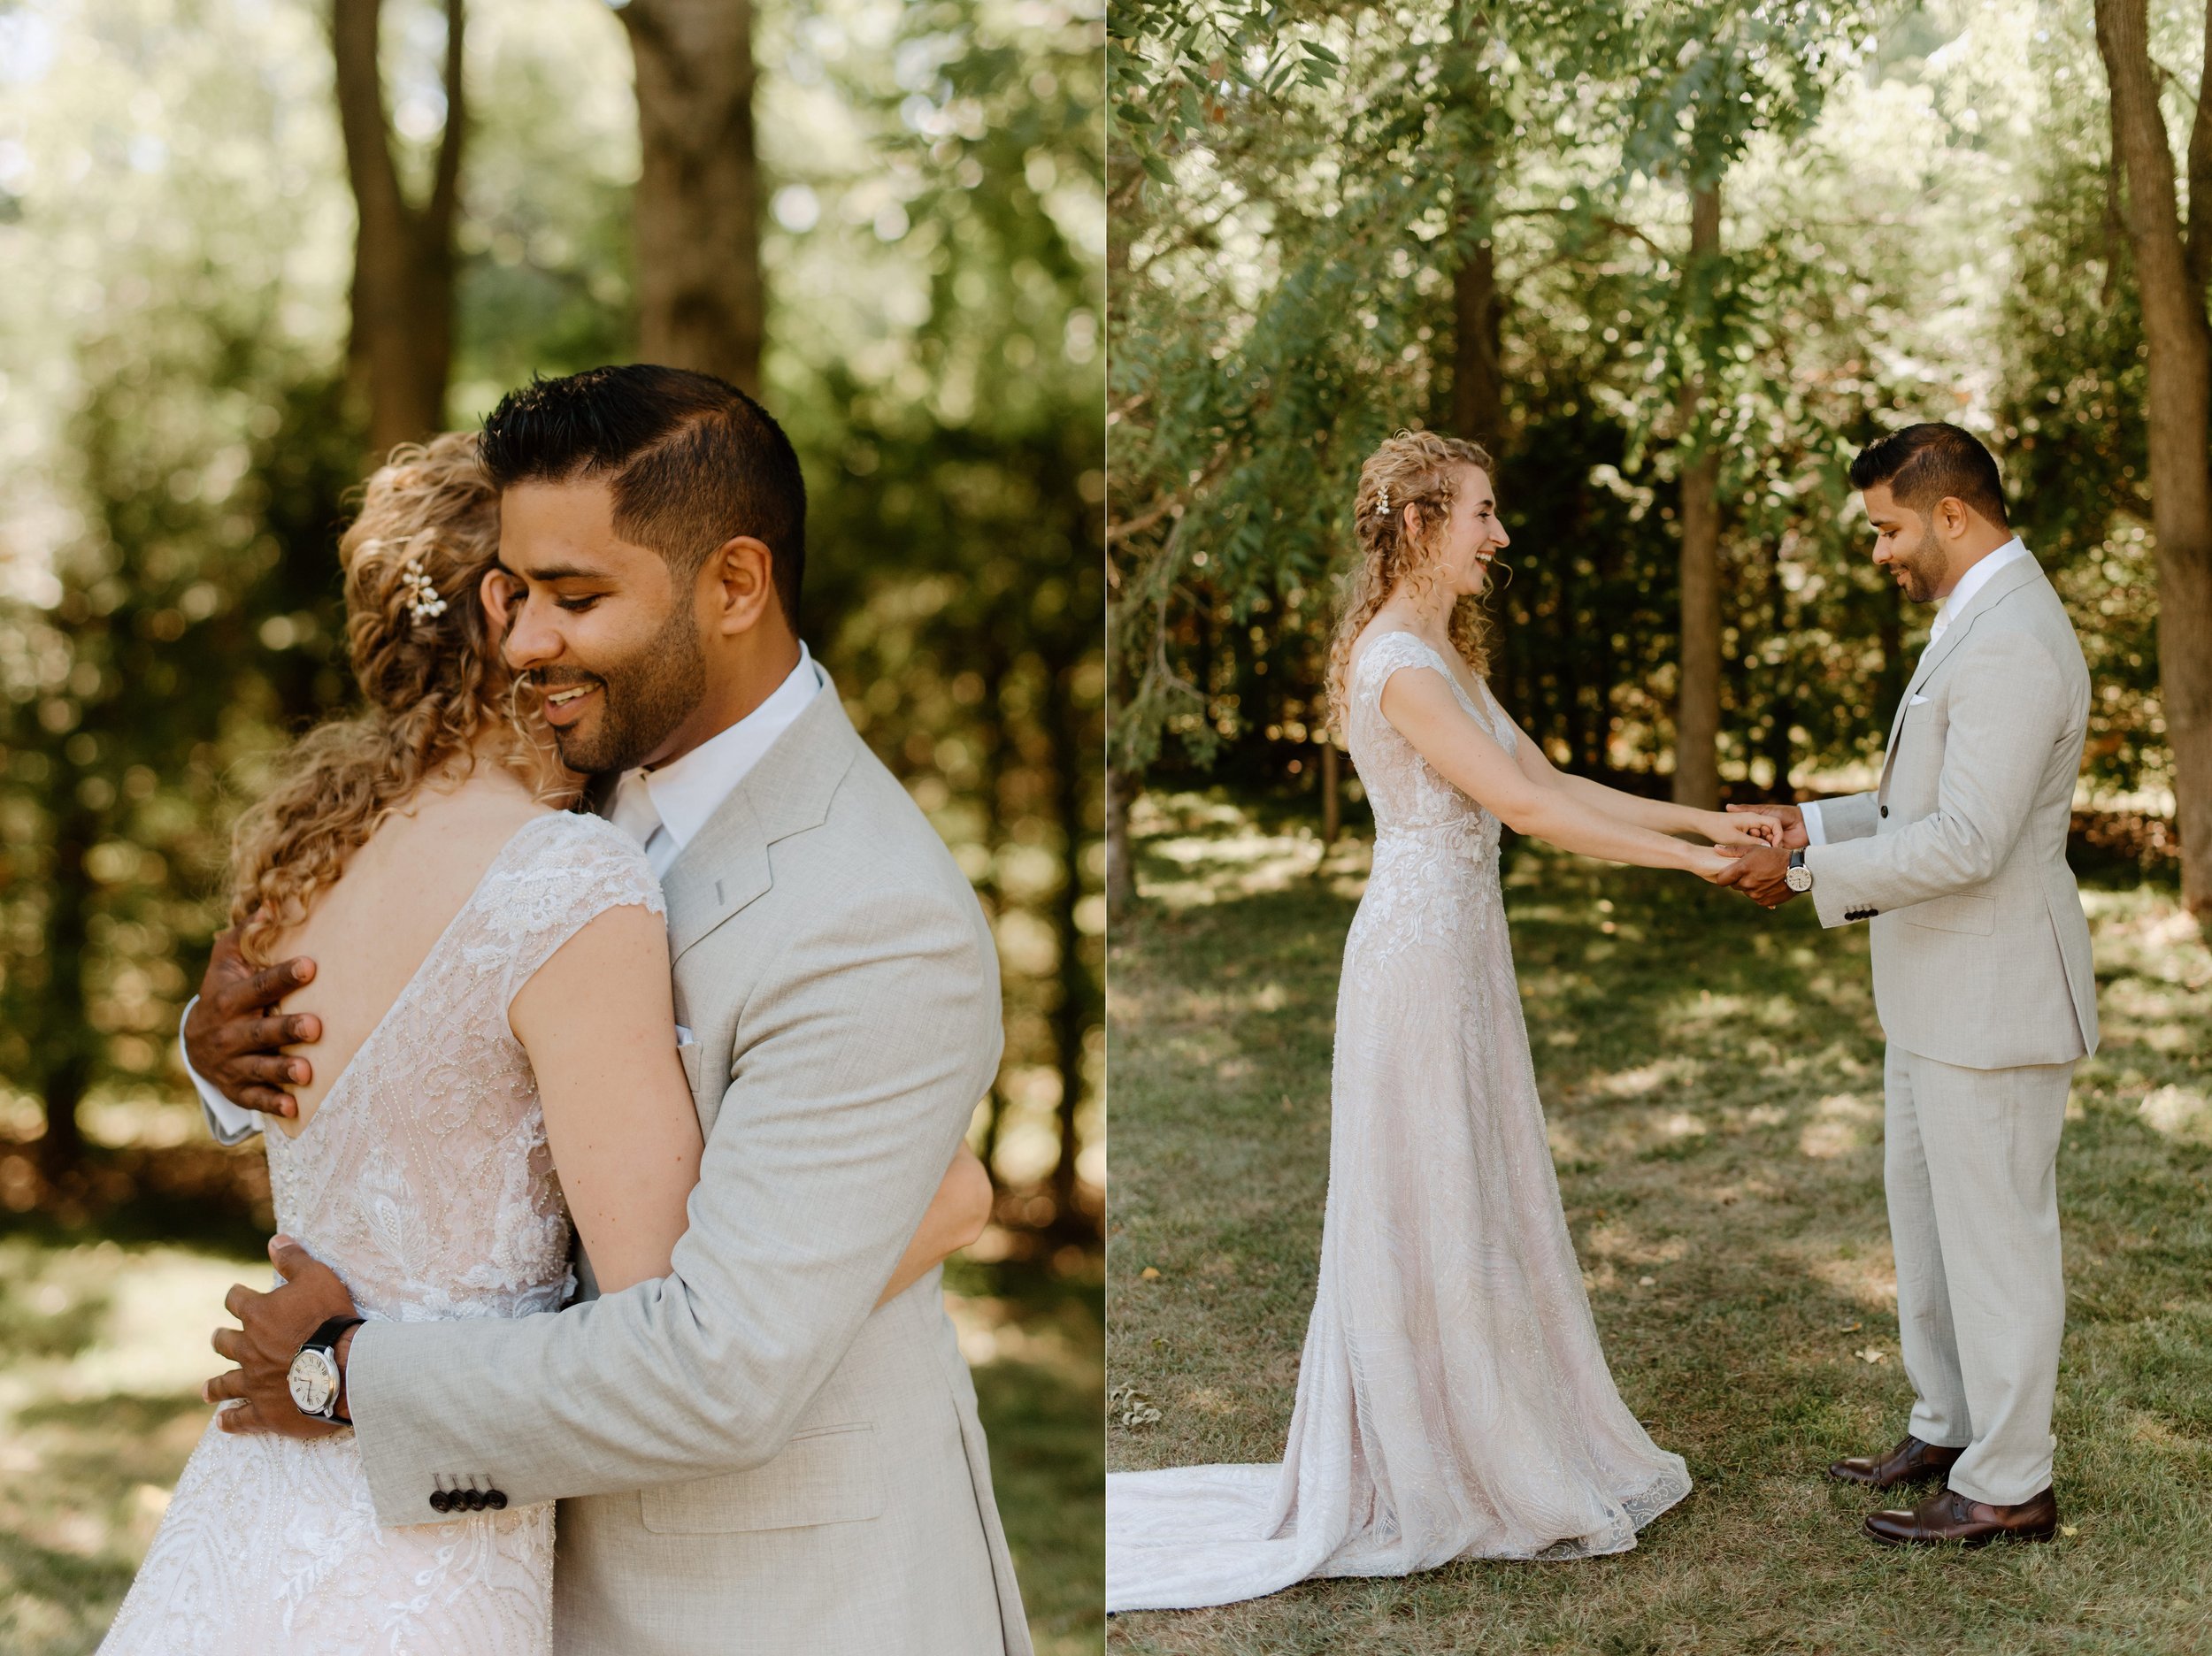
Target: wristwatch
[(314, 1376), (1799, 879)]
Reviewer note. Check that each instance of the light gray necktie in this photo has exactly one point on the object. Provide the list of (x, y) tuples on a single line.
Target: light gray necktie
[(635, 815)]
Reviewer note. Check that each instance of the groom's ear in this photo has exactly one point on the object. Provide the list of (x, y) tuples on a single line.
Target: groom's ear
[(739, 586)]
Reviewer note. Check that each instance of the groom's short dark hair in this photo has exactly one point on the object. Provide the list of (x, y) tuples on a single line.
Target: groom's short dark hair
[(692, 461), (1926, 463)]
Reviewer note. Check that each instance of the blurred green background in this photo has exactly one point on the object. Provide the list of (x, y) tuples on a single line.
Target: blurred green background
[(218, 302), (1674, 263)]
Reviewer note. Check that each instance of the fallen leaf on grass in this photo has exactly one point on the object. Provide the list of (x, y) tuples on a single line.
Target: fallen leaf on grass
[(1150, 1273), (1645, 1281), (1872, 1354), (1131, 1408), (1851, 1328), (2068, 1531)]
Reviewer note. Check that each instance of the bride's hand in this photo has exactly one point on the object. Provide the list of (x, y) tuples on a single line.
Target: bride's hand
[(1710, 862), (1748, 827)]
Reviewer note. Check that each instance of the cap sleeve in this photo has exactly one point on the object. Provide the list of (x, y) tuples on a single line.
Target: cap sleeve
[(1386, 656), (573, 869)]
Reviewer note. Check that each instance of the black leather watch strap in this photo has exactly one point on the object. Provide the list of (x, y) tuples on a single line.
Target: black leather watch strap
[(329, 1334), (325, 1339)]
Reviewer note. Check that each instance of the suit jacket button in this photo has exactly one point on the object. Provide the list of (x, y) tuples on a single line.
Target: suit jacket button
[(440, 1501), (497, 1499), (476, 1500), (1885, 810)]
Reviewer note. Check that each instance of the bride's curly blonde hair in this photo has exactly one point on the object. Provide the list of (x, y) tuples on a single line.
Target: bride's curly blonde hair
[(1420, 470), (430, 673)]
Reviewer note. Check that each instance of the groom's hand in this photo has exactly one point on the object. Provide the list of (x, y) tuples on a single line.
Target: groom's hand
[(1760, 873), (276, 1324), (233, 1043), (1793, 820)]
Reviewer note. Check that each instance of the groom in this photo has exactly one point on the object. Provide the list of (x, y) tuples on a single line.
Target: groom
[(1982, 978), (748, 1457)]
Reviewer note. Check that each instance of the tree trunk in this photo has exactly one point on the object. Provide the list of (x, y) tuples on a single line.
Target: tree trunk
[(1332, 794), (2171, 263), (1697, 704), (1121, 874), (1478, 383), (68, 1059), (697, 208), (402, 347)]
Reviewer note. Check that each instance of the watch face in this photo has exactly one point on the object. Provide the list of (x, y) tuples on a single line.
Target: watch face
[(1799, 879), (314, 1381)]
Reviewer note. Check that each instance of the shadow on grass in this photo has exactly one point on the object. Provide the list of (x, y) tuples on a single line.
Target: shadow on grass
[(1712, 1081), (87, 1455), (1034, 1335)]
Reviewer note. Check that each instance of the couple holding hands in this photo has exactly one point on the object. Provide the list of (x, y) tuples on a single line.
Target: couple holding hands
[(1453, 1398)]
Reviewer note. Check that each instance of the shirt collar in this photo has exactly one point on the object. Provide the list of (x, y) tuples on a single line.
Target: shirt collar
[(1974, 580), (688, 790)]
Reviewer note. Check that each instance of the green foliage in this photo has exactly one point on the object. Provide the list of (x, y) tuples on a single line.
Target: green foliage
[(1915, 226), (179, 445), (956, 473), (2074, 391)]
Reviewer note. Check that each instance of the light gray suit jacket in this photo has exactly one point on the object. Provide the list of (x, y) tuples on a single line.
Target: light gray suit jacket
[(1981, 952), (749, 1457)]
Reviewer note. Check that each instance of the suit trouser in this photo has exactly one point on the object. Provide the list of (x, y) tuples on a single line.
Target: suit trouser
[(1971, 1168)]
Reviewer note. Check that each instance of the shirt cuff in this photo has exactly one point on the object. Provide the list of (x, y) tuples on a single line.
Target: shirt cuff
[(1809, 813), (231, 1122)]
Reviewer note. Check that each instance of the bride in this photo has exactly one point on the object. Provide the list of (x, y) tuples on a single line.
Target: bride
[(500, 1066), (1453, 1401)]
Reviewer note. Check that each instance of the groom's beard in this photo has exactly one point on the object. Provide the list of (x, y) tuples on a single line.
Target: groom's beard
[(640, 700), (1923, 568)]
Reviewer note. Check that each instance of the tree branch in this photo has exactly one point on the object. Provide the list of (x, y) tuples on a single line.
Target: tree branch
[(362, 117), (2197, 241), (445, 191)]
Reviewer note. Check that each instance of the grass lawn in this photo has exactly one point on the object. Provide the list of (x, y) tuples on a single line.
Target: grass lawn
[(1712, 1077), (103, 1343)]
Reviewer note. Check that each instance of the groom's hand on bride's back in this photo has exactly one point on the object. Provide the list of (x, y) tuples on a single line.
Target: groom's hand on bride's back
[(256, 1395), (236, 1042)]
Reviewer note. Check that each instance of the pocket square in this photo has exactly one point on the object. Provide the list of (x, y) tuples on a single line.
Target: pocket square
[(1918, 700)]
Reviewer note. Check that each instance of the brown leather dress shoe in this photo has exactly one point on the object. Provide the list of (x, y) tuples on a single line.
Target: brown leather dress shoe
[(1912, 1461), (1949, 1516)]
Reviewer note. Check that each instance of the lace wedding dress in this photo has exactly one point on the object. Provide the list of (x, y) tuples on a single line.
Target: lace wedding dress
[(423, 1181), (1453, 1401)]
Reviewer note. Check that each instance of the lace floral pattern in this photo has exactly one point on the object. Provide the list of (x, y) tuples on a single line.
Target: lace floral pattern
[(1453, 1400), (424, 1180)]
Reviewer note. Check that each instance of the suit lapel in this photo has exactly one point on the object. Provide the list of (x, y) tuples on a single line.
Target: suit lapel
[(2004, 583), (727, 865)]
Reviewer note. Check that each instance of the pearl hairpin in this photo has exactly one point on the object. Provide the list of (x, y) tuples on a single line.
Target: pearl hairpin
[(423, 603)]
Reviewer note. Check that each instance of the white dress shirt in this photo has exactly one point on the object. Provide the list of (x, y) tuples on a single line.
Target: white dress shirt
[(663, 807), (1962, 594)]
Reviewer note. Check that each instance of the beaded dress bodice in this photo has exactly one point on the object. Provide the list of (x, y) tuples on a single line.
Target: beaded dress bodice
[(424, 1180), (1436, 850)]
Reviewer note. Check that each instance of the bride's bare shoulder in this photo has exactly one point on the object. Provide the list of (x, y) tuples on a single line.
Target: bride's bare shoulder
[(442, 839)]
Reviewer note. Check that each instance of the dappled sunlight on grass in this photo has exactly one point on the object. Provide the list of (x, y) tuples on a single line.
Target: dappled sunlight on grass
[(103, 1349), (1712, 1079)]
